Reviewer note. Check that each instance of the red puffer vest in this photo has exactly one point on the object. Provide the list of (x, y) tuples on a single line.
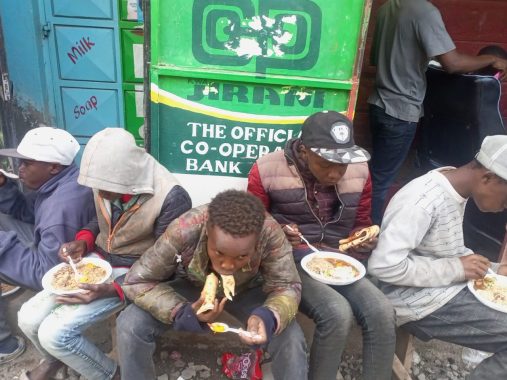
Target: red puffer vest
[(289, 202)]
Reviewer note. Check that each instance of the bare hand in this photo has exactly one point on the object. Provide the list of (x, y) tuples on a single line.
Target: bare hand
[(501, 65), (75, 249), (365, 247), (210, 315), (93, 292), (476, 266), (255, 326), (293, 235), (3, 179)]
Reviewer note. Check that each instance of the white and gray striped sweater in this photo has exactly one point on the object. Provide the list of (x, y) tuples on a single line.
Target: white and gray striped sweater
[(417, 257)]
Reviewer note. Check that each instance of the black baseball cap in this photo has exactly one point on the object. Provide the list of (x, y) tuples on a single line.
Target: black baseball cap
[(330, 135)]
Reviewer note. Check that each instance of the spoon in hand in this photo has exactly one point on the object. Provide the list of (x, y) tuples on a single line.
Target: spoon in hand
[(77, 275), (304, 239), (220, 327)]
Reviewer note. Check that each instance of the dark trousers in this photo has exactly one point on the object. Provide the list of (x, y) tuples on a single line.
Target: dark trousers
[(391, 141), (137, 330), (25, 235), (467, 322)]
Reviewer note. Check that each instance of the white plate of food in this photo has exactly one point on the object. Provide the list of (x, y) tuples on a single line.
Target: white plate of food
[(333, 268), (491, 291), (61, 279)]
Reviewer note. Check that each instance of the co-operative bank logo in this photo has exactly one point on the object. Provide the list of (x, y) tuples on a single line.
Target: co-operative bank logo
[(281, 34)]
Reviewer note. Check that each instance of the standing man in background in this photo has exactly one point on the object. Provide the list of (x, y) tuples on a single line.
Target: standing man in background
[(408, 34)]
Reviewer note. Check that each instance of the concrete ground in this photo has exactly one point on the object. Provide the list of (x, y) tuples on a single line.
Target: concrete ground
[(186, 356)]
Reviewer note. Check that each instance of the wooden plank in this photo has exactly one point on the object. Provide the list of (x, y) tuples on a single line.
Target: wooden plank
[(399, 371), (404, 353)]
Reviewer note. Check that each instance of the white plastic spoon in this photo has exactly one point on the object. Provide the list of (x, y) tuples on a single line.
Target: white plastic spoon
[(77, 275), (220, 327)]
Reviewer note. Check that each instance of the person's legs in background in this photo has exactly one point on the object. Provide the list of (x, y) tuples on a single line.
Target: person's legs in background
[(391, 141), (375, 315), (12, 346), (333, 319)]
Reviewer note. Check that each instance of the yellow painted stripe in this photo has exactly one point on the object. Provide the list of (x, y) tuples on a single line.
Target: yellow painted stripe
[(169, 99)]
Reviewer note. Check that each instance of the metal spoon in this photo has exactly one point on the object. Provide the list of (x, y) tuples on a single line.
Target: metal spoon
[(304, 239), (220, 327)]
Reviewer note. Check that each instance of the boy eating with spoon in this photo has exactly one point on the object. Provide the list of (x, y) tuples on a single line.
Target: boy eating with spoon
[(231, 236)]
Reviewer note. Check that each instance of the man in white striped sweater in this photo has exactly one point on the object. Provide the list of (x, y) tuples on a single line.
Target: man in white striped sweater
[(423, 265)]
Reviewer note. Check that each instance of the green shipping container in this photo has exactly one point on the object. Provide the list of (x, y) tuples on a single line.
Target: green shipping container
[(232, 80)]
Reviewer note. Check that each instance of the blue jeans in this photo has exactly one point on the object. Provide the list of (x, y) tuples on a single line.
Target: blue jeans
[(57, 331), (467, 322), (391, 141), (333, 309), (137, 330)]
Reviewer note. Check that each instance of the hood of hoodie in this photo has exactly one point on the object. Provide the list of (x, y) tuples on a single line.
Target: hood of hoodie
[(113, 162)]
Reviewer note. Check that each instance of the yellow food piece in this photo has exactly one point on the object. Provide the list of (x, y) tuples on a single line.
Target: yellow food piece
[(216, 327)]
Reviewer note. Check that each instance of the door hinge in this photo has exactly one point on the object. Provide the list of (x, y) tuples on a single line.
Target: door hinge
[(46, 29)]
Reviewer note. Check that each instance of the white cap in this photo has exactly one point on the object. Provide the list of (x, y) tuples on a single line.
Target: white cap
[(45, 144), (493, 155)]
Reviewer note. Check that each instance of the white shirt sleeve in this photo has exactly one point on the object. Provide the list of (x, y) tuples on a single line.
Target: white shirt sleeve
[(395, 260)]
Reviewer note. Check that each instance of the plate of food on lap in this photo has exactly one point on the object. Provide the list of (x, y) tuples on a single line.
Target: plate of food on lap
[(333, 268), (62, 280), (491, 291)]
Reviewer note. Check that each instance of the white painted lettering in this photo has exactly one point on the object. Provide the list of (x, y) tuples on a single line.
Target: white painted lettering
[(183, 147), (201, 148)]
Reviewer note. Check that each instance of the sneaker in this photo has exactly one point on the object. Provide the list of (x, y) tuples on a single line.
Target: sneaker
[(18, 349)]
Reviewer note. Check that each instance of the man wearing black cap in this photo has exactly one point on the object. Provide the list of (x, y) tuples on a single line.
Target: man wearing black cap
[(319, 187)]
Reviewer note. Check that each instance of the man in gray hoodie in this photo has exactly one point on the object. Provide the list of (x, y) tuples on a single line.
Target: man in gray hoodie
[(423, 265), (135, 199)]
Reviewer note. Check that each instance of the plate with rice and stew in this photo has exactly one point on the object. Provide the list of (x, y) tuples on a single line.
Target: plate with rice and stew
[(333, 268), (61, 279), (491, 291)]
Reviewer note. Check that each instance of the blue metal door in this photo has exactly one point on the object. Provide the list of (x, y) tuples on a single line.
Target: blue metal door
[(85, 69)]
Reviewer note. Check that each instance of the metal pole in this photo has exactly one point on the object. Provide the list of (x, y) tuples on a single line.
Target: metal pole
[(147, 64)]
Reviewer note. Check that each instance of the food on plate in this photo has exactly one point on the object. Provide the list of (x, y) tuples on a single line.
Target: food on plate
[(209, 293), (492, 290), (332, 268), (65, 278), (228, 284), (359, 237)]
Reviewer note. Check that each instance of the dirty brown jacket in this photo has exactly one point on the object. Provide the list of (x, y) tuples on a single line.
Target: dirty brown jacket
[(182, 251)]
